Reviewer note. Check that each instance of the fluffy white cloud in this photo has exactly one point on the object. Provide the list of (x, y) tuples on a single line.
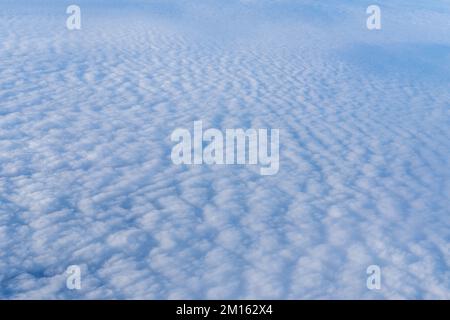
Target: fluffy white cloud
[(86, 176)]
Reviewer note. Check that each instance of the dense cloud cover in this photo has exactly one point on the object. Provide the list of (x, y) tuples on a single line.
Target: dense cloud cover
[(86, 176)]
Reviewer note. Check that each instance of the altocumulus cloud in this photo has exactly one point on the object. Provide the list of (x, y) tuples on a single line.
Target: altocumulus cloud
[(86, 177)]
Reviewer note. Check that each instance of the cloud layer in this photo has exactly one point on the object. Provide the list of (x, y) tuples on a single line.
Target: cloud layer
[(86, 176)]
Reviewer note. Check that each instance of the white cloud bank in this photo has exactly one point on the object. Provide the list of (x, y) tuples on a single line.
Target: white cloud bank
[(86, 176)]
